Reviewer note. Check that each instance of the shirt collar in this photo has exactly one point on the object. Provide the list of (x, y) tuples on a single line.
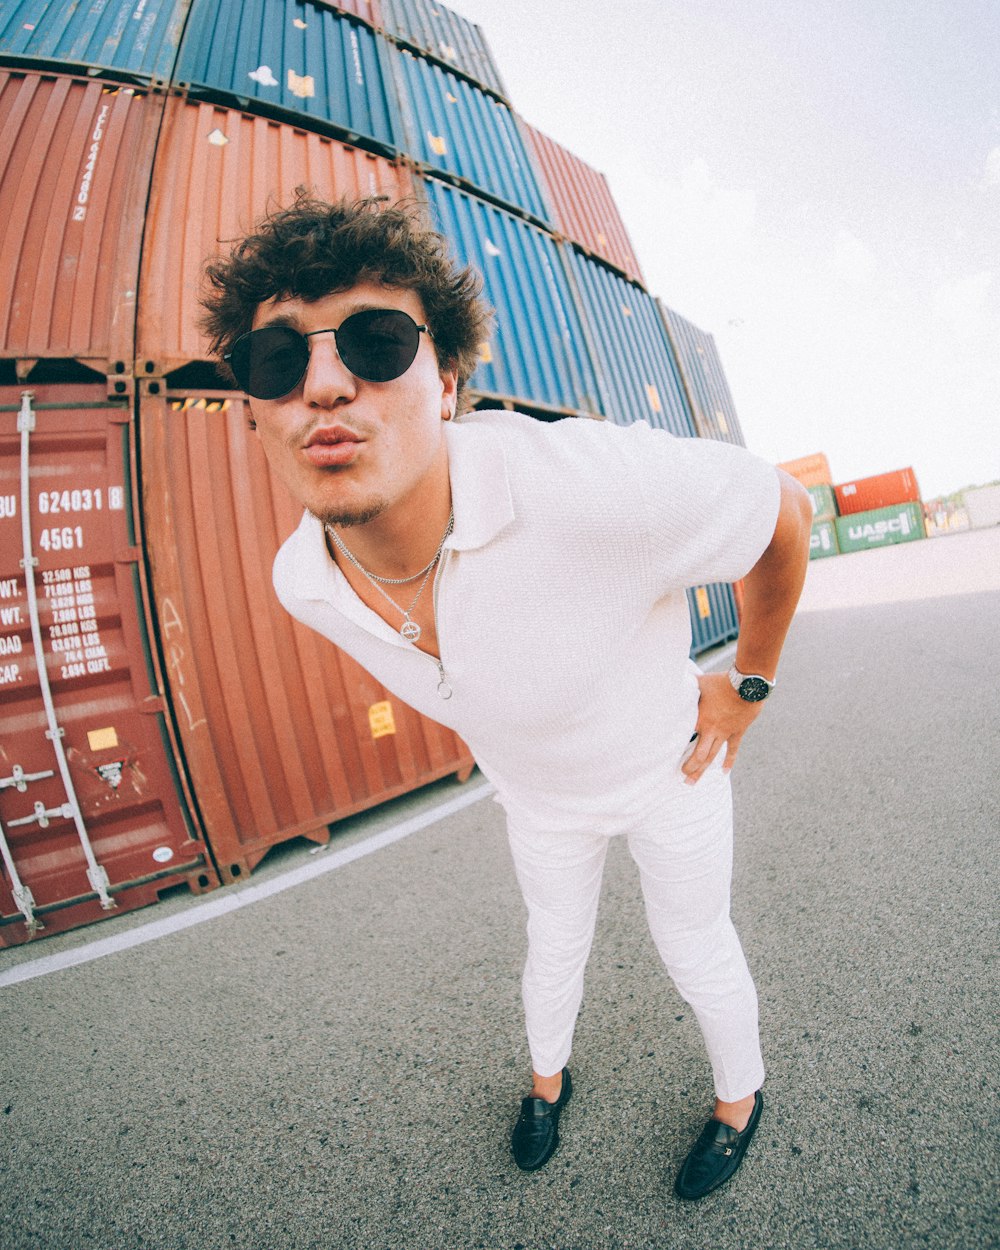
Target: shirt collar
[(480, 495)]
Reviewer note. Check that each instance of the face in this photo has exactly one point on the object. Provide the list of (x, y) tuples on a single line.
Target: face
[(349, 450)]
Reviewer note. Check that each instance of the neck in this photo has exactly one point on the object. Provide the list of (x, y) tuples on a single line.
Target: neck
[(400, 540)]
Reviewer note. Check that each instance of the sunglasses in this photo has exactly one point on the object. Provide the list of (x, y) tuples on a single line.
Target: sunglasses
[(376, 345)]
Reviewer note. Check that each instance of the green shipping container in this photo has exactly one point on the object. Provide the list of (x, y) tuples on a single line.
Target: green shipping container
[(824, 502), (903, 523), (823, 540)]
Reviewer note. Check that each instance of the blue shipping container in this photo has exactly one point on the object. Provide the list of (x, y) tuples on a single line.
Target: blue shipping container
[(442, 32), (713, 616), (536, 354), (638, 378), (135, 37), (703, 375), (452, 126), (298, 57)]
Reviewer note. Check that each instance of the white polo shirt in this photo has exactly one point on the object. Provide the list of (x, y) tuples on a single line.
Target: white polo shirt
[(561, 615)]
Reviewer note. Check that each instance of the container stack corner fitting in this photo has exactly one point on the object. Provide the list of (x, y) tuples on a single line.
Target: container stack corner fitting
[(161, 723)]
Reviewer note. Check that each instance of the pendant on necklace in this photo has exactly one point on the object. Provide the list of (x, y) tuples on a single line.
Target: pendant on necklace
[(410, 630)]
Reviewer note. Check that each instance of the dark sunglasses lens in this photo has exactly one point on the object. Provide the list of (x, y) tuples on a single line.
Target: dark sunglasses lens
[(378, 344), (269, 363)]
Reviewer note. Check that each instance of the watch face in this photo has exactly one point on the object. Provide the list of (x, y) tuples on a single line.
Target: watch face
[(753, 689)]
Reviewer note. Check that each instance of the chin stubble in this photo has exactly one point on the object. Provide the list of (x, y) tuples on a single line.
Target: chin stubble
[(357, 516)]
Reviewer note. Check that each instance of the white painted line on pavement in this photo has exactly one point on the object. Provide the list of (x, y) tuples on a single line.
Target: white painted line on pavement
[(232, 899)]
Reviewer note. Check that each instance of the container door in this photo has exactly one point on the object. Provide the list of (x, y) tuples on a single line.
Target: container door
[(90, 817)]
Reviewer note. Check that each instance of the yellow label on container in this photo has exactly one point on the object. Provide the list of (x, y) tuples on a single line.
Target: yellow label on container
[(653, 395), (381, 720), (701, 598), (101, 739), (438, 144), (304, 86)]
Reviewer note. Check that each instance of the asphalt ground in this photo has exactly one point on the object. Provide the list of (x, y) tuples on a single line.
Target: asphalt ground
[(338, 1064)]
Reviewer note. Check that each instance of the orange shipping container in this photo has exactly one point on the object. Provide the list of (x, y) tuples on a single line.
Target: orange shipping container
[(218, 171), (809, 470), (584, 208), (884, 490), (75, 161)]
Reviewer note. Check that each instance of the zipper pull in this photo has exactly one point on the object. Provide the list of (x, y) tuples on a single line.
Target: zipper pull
[(444, 689)]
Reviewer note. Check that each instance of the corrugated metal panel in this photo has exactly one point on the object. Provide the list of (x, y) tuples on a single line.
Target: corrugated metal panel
[(369, 11), (75, 160), (881, 527), (137, 37), (454, 127), (823, 539), (584, 209), (824, 501), (296, 57), (217, 171), (460, 43), (811, 470), (278, 726), (107, 713), (884, 490), (637, 374), (713, 615), (537, 354), (704, 379)]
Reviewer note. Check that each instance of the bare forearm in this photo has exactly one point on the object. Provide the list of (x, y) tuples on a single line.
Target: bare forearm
[(773, 585)]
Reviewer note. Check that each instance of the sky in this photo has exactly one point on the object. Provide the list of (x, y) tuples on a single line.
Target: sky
[(816, 185)]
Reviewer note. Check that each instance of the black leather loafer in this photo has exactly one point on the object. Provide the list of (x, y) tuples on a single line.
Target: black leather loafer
[(536, 1133), (716, 1155)]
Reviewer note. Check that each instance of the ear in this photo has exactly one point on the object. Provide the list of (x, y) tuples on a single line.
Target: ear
[(449, 393)]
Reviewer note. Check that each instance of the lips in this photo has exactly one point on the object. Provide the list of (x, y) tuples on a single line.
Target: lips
[(332, 445)]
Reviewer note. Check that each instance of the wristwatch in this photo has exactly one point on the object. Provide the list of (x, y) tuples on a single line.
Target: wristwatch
[(751, 687)]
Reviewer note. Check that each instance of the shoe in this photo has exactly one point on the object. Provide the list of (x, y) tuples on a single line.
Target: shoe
[(536, 1133), (716, 1155)]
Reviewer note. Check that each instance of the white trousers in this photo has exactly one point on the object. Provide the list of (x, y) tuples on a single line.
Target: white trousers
[(684, 853)]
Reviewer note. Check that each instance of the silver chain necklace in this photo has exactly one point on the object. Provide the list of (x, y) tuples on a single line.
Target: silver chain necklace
[(409, 628)]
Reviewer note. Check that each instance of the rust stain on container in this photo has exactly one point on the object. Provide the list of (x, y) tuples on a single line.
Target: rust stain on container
[(584, 208), (275, 722), (84, 608), (75, 162), (217, 171)]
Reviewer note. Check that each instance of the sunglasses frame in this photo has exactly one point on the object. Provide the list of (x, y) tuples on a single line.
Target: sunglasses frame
[(335, 331)]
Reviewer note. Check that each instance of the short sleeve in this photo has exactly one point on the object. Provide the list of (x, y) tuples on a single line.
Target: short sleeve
[(710, 507)]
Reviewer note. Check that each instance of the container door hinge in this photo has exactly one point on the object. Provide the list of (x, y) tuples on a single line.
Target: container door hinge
[(23, 898), (19, 778)]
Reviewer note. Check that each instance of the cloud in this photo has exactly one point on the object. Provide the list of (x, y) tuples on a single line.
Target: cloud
[(962, 303)]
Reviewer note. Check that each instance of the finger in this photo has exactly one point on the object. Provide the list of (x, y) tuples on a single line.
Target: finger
[(703, 755)]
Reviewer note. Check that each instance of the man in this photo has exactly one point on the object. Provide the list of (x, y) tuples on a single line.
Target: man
[(523, 583)]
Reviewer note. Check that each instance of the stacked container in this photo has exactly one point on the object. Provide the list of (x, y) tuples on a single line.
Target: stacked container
[(163, 720), (813, 472), (880, 510)]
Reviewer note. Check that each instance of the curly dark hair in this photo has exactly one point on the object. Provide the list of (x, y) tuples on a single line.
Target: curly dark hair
[(315, 248)]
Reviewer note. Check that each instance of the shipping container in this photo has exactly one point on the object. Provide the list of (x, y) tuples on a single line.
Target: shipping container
[(75, 162), (703, 378), (982, 503), (217, 172), (809, 470), (637, 373), (91, 814), (583, 208), (823, 539), (431, 27), (454, 127), (713, 616), (824, 502), (369, 11), (282, 732), (881, 527), (884, 490), (536, 354), (127, 40), (295, 60)]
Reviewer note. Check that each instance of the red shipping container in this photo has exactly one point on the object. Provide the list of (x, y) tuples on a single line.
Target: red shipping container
[(884, 490), (91, 821), (584, 208)]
